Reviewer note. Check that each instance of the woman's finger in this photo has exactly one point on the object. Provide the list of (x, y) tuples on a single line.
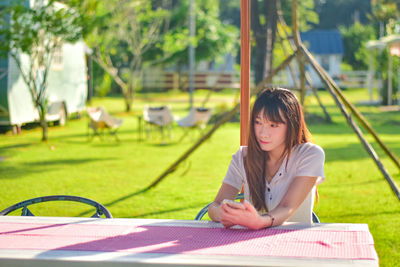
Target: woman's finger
[(248, 206)]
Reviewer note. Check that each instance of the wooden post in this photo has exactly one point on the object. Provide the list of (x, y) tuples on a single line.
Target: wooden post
[(335, 92), (360, 117), (244, 71), (285, 52), (307, 76)]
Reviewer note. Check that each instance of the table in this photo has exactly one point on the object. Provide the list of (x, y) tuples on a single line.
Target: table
[(59, 241)]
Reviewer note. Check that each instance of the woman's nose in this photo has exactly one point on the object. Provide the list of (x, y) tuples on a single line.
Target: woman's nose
[(265, 131)]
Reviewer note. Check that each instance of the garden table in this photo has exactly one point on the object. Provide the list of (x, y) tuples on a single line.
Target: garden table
[(61, 241)]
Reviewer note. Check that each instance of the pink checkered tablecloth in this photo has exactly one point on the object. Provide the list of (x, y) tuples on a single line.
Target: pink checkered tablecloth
[(274, 242)]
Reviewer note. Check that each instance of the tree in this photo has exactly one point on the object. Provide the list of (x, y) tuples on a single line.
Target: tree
[(213, 38), (263, 24), (121, 38), (386, 13), (335, 13), (354, 40), (36, 32), (264, 21)]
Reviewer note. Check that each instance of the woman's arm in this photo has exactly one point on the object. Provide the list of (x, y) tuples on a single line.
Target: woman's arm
[(297, 192), (249, 217), (225, 192)]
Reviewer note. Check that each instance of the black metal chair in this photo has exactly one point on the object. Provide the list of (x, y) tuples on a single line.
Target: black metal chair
[(100, 209), (204, 211)]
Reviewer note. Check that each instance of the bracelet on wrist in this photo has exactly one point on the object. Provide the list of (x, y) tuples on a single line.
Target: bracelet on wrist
[(272, 219)]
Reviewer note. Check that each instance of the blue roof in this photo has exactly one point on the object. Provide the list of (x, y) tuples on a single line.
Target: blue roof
[(323, 41)]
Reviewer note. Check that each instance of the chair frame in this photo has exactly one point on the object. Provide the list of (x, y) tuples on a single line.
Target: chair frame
[(100, 209), (196, 123), (98, 126), (204, 211), (151, 120)]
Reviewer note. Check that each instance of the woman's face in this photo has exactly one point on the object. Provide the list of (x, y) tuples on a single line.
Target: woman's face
[(270, 135)]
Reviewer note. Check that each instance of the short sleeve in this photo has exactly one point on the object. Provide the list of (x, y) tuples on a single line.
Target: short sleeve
[(236, 174), (311, 159)]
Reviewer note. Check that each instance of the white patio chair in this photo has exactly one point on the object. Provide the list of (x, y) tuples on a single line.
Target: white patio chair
[(196, 119), (100, 120), (160, 117)]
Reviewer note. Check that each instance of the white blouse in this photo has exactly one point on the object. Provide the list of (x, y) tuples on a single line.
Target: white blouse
[(305, 160)]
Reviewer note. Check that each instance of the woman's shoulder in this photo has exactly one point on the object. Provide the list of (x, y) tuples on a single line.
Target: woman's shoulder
[(243, 150), (309, 148), (240, 153)]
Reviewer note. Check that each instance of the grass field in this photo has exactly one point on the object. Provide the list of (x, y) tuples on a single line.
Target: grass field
[(114, 173)]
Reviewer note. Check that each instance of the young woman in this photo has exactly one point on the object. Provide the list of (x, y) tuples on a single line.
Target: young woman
[(279, 169)]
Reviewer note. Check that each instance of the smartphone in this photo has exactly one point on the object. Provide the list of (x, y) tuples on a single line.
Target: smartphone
[(233, 204)]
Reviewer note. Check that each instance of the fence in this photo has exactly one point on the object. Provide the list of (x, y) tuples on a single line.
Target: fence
[(354, 79), (166, 80)]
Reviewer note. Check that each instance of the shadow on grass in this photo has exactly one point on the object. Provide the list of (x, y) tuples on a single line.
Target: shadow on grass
[(109, 204), (143, 215), (86, 134), (379, 123), (347, 185), (111, 141), (65, 161), (355, 214), (330, 128), (162, 144), (354, 151), (19, 170), (106, 139), (15, 146), (68, 136)]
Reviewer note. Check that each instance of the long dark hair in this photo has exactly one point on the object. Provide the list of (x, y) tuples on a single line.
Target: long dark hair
[(281, 106)]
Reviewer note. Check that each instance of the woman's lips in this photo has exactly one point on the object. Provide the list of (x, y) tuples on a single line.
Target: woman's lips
[(264, 142)]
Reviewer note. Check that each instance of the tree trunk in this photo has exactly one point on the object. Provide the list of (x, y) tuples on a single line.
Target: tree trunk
[(131, 88), (264, 36), (261, 41), (272, 20), (44, 130), (181, 84), (384, 92), (300, 59), (128, 106), (128, 96), (43, 122)]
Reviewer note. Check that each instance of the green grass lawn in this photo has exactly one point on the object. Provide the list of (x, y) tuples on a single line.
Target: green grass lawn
[(114, 173)]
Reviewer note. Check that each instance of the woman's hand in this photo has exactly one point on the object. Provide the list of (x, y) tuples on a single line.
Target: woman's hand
[(246, 216)]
